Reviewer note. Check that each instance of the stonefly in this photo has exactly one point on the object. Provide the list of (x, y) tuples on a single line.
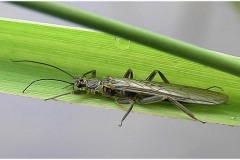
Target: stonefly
[(126, 90)]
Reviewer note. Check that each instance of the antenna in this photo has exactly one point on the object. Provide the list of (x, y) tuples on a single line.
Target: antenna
[(45, 65)]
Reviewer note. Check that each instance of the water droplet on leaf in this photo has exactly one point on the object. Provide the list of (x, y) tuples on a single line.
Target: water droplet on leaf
[(122, 43)]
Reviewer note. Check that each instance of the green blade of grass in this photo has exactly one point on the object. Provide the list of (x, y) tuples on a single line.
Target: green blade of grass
[(210, 58), (78, 51)]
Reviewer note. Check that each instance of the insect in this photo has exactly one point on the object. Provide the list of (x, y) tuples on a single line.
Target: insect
[(127, 90)]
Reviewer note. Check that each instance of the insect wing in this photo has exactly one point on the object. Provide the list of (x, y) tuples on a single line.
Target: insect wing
[(195, 95), (136, 86), (178, 92)]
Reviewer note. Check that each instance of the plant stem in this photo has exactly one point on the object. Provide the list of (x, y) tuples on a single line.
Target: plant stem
[(210, 58)]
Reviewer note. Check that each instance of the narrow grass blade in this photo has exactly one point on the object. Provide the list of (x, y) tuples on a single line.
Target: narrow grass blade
[(78, 51)]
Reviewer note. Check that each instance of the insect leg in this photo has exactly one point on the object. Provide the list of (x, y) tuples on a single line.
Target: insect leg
[(153, 74), (152, 99), (214, 87), (182, 108), (125, 101), (93, 72), (46, 79), (60, 95), (128, 74)]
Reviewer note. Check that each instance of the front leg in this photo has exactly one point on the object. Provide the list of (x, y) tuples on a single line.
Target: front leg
[(92, 72), (64, 94), (125, 101)]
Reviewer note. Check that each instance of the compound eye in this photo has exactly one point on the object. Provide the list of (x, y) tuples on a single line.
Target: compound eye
[(80, 83)]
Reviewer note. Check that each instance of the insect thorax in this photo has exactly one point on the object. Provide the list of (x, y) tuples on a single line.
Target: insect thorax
[(92, 85), (108, 90)]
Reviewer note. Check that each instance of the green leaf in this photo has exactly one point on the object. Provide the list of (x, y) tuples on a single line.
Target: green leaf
[(78, 51)]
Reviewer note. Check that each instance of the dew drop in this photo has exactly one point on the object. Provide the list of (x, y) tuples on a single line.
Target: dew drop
[(122, 43)]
